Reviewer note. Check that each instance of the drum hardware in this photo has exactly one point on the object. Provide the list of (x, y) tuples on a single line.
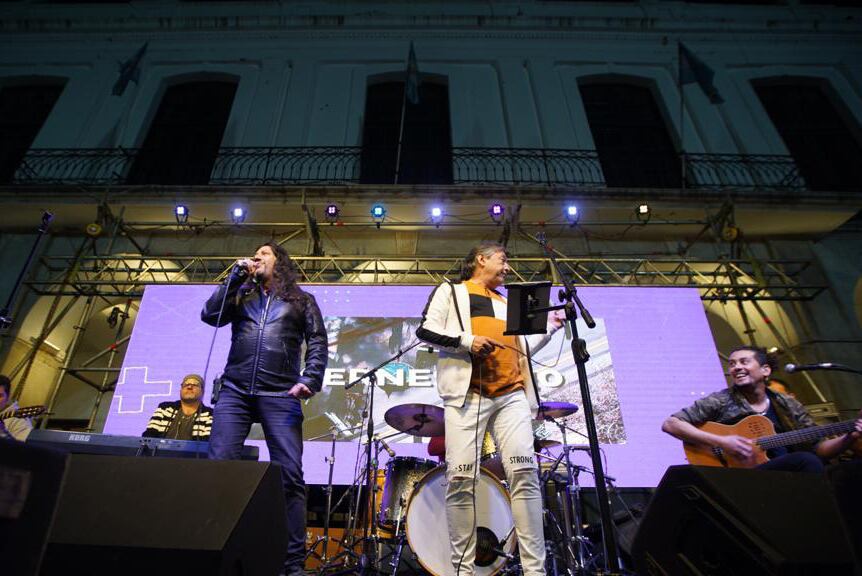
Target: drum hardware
[(575, 544), (324, 539), (369, 557), (489, 548)]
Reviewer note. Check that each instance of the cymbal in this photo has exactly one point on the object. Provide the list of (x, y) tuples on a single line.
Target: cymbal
[(417, 419), (556, 409), (545, 443)]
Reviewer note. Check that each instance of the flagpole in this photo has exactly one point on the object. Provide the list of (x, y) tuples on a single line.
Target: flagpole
[(401, 129), (407, 72), (681, 112)]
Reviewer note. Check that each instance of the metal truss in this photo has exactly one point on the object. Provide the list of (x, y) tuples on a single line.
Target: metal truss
[(718, 280)]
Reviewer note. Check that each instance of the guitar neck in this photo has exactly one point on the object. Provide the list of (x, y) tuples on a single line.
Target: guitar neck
[(805, 435)]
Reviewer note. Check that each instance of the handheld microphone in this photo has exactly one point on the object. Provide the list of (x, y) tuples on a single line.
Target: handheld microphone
[(241, 267), (791, 368)]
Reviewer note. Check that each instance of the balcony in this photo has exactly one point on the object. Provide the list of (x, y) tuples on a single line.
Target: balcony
[(331, 165)]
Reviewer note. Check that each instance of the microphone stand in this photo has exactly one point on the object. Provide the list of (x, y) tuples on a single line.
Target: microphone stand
[(369, 548), (831, 366), (579, 350), (6, 319)]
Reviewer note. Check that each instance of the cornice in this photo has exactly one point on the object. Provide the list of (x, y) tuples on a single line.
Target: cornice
[(529, 27)]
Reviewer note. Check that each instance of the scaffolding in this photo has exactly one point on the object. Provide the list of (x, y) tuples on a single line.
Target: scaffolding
[(717, 279), (98, 271)]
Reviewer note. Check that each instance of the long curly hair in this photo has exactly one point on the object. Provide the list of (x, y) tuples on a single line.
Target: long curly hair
[(284, 274)]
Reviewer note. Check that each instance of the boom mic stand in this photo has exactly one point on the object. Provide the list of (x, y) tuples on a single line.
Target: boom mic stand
[(569, 295), (369, 548)]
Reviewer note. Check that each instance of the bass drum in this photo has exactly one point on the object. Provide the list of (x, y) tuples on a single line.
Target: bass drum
[(428, 533)]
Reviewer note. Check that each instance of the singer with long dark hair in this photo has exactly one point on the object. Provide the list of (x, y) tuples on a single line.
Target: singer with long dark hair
[(270, 318)]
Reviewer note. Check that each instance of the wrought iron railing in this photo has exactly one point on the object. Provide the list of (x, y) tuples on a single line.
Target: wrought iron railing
[(325, 165)]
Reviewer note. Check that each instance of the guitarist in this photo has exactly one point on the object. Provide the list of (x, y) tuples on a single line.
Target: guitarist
[(748, 395), (11, 428)]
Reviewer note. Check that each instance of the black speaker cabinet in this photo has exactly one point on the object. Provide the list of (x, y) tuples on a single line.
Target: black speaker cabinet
[(716, 521), (30, 482), (122, 515)]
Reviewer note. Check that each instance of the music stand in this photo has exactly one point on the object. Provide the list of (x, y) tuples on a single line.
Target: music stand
[(527, 311)]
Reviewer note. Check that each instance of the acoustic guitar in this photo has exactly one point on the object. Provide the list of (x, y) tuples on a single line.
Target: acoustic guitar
[(27, 412), (761, 430)]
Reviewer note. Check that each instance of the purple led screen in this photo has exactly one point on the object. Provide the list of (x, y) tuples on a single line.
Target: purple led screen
[(651, 354)]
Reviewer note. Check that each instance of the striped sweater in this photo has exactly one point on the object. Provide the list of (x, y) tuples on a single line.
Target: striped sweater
[(164, 415)]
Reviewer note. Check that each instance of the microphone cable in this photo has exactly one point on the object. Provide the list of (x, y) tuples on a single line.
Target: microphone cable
[(215, 392), (476, 467)]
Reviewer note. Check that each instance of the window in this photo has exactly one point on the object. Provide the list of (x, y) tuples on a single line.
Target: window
[(185, 136), (426, 141), (819, 132), (633, 144), (23, 111)]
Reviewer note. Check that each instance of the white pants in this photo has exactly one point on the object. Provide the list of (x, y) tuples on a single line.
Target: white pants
[(508, 417)]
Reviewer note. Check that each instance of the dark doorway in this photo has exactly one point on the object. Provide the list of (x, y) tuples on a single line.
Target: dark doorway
[(822, 137), (23, 111), (426, 143), (634, 147), (185, 136)]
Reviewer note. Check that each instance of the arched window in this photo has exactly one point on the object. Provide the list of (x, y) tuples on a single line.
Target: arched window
[(630, 134), (24, 107), (818, 130), (185, 135), (423, 129)]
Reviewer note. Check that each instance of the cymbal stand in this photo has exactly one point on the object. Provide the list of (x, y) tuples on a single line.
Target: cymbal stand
[(549, 522), (571, 504), (330, 460), (369, 557)]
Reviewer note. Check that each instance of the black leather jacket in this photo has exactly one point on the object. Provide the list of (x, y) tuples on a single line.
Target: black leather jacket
[(267, 335)]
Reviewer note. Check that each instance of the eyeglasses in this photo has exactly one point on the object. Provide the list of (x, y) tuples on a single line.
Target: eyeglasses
[(191, 385)]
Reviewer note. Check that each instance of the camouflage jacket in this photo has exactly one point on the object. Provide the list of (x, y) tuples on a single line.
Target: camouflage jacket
[(729, 407)]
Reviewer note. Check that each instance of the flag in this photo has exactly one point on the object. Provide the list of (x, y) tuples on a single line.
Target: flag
[(692, 69), (412, 84), (130, 71)]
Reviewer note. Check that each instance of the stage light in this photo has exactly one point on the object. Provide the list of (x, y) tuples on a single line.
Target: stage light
[(378, 213), (332, 212), (572, 214), (496, 211), (643, 212), (181, 212), (436, 215), (238, 215)]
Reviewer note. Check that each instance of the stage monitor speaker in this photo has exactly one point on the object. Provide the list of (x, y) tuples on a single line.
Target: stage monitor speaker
[(30, 481), (716, 521), (846, 479), (135, 516)]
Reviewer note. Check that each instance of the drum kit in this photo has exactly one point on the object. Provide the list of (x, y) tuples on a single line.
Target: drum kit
[(409, 505)]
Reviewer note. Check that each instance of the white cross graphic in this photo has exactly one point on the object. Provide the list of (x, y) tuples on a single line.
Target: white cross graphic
[(148, 383)]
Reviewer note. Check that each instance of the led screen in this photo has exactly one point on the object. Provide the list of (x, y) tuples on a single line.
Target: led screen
[(651, 353)]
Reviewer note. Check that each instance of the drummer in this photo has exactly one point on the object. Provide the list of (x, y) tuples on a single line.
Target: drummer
[(485, 381)]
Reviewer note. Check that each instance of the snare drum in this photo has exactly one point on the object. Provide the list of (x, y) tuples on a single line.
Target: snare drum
[(402, 473), (428, 533)]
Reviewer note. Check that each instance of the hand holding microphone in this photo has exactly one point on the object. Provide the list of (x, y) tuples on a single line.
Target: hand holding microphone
[(243, 267)]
